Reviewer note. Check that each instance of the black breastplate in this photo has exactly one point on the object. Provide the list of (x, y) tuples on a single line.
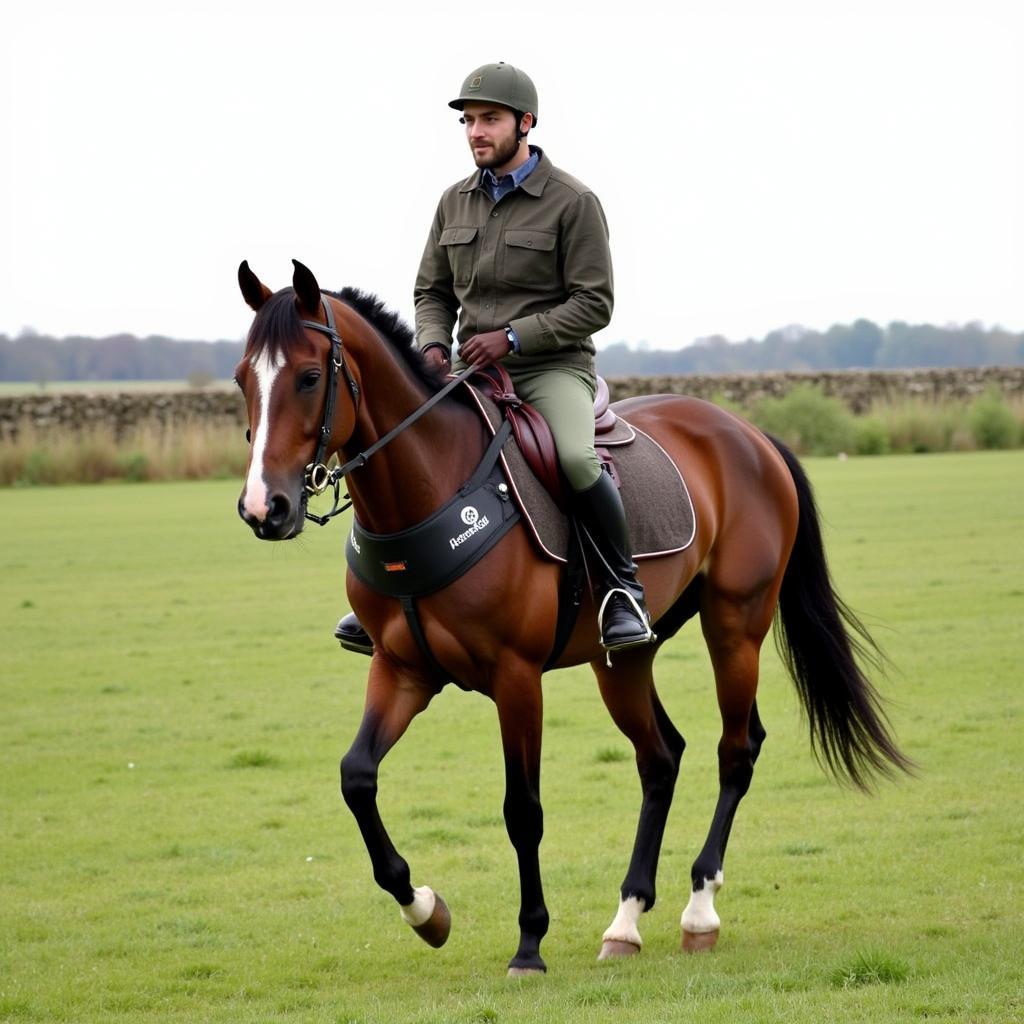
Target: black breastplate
[(438, 550)]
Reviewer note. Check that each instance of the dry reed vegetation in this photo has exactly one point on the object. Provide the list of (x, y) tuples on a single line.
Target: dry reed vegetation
[(807, 420), (183, 451)]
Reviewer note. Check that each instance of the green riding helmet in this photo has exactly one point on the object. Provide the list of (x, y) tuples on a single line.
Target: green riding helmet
[(499, 83)]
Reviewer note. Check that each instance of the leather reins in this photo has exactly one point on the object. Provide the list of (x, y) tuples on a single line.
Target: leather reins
[(317, 476)]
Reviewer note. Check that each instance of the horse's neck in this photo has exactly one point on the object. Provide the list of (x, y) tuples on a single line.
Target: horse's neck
[(416, 473)]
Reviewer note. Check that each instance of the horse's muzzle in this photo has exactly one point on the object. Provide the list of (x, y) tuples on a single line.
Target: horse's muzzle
[(284, 518)]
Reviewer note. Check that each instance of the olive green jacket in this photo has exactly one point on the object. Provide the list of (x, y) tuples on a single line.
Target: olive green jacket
[(537, 260)]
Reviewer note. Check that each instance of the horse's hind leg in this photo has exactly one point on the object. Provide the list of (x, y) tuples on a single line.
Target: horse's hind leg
[(391, 704), (734, 629), (628, 692)]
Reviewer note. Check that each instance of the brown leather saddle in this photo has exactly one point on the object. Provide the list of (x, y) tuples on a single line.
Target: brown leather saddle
[(533, 435)]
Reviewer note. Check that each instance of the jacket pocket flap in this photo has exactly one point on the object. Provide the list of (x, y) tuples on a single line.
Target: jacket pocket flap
[(457, 236), (542, 240)]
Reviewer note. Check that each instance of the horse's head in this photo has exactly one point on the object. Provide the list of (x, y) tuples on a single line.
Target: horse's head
[(292, 362)]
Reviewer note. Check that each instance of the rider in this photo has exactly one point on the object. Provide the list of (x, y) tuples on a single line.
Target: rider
[(518, 254)]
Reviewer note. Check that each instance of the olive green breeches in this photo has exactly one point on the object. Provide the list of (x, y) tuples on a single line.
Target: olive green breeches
[(565, 398)]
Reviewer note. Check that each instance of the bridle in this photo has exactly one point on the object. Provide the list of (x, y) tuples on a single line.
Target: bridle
[(318, 477)]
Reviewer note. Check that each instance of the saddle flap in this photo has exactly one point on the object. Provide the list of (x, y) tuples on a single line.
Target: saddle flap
[(530, 429)]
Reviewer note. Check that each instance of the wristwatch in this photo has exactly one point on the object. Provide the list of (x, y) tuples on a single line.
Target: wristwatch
[(513, 341)]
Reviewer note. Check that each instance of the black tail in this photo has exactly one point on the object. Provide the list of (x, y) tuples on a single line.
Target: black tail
[(820, 639)]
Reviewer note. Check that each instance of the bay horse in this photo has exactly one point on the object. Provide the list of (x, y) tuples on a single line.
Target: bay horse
[(757, 557)]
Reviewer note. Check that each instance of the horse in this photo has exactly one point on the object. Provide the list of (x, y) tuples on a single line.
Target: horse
[(757, 558)]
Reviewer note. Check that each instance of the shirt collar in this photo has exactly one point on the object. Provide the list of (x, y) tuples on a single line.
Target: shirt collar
[(518, 175), (532, 180)]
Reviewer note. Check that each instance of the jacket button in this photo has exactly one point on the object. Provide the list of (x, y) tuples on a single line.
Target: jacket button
[(495, 214)]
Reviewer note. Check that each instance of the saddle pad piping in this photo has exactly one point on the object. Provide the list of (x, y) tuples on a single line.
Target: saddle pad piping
[(602, 443)]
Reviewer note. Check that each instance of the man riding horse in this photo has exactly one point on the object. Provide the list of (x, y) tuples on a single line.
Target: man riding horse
[(518, 254)]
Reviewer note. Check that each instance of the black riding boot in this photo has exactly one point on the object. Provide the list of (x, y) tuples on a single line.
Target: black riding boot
[(352, 636), (623, 617)]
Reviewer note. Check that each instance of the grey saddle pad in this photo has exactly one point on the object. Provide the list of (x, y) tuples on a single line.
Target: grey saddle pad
[(658, 506)]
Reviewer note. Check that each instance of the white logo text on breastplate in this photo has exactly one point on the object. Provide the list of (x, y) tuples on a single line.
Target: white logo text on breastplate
[(476, 523)]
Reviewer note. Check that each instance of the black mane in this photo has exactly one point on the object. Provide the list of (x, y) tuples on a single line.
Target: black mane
[(278, 322)]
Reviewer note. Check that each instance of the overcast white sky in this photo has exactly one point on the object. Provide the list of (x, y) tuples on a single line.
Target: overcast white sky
[(760, 163)]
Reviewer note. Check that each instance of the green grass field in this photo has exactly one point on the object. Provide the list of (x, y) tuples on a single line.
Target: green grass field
[(174, 846)]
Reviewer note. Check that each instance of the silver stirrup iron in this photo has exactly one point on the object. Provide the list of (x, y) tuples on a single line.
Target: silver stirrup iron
[(649, 637)]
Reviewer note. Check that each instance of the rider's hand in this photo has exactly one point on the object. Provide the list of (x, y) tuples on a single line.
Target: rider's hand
[(484, 349), (436, 358)]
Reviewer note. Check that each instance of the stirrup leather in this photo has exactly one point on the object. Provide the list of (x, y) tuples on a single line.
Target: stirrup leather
[(648, 637)]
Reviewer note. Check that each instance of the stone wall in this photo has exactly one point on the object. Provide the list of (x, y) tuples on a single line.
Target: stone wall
[(123, 411), (857, 389), (126, 410)]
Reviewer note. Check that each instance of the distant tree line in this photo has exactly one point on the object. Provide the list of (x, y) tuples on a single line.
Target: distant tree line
[(37, 357), (862, 345)]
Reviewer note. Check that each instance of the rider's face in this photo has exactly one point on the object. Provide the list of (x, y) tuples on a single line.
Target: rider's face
[(491, 133)]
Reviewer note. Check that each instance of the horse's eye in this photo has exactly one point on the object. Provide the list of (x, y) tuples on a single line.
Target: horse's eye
[(308, 381), (248, 435)]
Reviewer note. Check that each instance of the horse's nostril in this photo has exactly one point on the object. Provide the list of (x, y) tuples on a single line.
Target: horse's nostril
[(279, 508)]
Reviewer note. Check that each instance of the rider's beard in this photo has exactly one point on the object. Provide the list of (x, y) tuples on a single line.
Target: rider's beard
[(502, 151)]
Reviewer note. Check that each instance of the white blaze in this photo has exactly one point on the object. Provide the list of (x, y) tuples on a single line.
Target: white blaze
[(266, 371)]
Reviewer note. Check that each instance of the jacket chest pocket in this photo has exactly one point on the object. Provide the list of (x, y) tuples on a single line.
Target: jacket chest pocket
[(458, 243), (530, 257)]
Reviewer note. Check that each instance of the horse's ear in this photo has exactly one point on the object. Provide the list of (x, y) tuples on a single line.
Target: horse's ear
[(254, 291), (307, 291)]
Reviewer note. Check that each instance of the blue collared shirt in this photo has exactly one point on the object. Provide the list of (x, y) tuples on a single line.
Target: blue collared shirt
[(500, 187)]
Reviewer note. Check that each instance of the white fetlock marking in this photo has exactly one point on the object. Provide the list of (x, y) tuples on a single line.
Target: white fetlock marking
[(422, 906), (700, 915), (623, 928)]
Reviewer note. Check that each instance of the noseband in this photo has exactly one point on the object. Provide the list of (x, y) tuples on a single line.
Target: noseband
[(318, 477)]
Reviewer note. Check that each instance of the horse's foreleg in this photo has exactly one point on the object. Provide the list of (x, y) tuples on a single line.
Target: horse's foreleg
[(520, 714), (628, 692), (391, 704), (734, 632)]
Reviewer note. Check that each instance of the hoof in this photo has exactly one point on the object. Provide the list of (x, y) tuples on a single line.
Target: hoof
[(612, 949), (436, 929), (523, 972), (698, 942)]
